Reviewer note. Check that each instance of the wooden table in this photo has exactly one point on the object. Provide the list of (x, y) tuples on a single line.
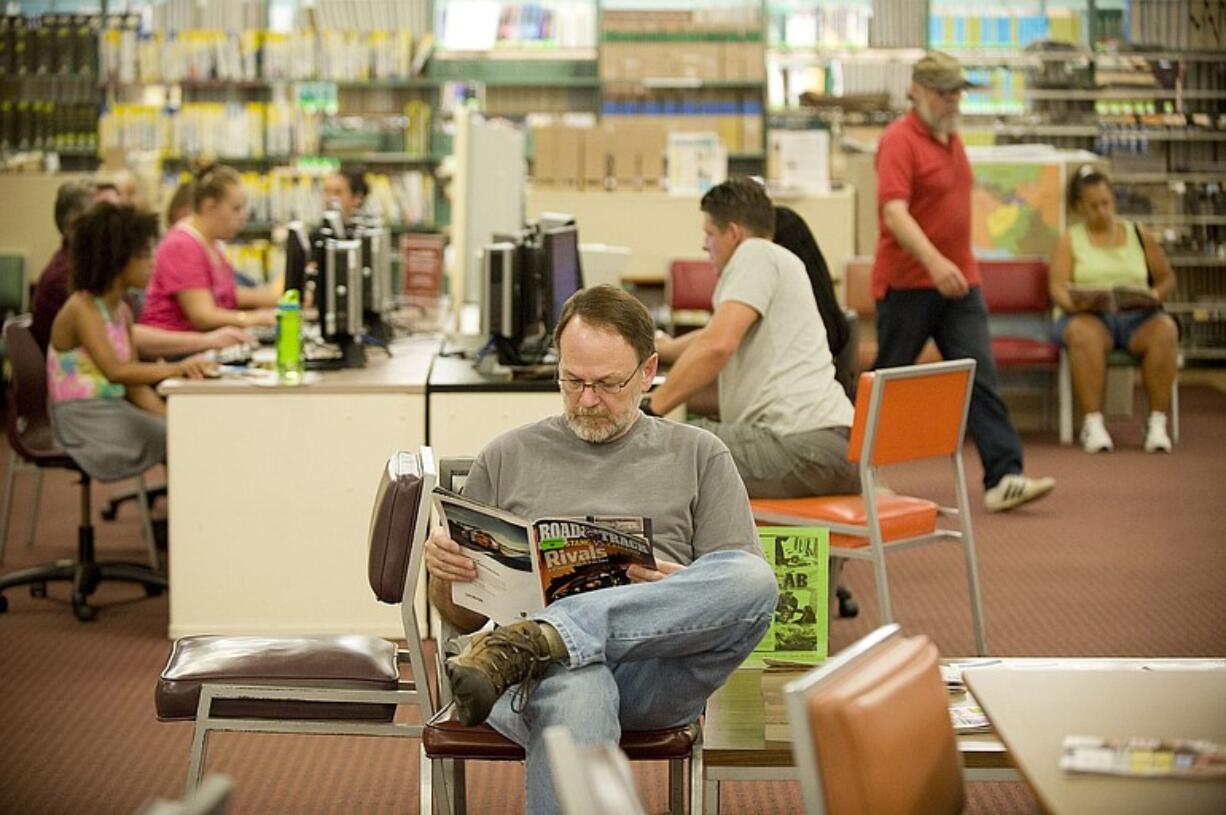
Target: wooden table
[(1033, 709), (735, 747)]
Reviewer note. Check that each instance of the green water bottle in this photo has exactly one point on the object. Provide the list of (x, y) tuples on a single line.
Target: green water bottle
[(289, 338)]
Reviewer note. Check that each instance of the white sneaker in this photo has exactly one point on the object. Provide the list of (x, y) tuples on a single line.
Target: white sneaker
[(1016, 489), (1156, 438), (1094, 435)]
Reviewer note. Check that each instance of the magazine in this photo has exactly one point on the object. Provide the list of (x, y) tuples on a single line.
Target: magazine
[(968, 717), (1107, 299), (523, 566), (799, 631), (1144, 757)]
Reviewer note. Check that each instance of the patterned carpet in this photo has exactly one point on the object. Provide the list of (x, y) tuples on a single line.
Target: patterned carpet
[(1125, 558)]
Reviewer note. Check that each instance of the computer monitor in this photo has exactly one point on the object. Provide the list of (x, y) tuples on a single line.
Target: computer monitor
[(560, 273), (297, 255), (376, 268), (339, 298), (501, 306)]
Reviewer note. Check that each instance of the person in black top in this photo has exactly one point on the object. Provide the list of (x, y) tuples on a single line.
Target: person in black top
[(792, 233)]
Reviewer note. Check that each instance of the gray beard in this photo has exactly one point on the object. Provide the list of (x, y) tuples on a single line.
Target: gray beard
[(600, 428)]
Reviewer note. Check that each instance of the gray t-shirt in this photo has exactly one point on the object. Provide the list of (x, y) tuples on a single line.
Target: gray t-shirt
[(680, 477), (782, 375)]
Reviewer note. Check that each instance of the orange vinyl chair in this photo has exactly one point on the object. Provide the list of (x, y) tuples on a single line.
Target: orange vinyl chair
[(902, 414), (871, 732)]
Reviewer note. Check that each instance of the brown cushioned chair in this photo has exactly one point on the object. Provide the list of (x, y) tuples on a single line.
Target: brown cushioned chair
[(343, 685), (448, 743), (871, 731)]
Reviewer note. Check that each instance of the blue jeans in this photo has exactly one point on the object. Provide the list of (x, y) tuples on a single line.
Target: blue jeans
[(642, 657), (906, 318)]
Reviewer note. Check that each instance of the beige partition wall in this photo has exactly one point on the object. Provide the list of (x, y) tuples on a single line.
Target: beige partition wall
[(28, 225), (659, 227)]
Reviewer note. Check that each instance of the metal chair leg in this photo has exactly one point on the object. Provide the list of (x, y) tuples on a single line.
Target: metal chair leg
[(697, 777), (676, 786), (32, 521), (195, 764), (10, 477), (147, 524)]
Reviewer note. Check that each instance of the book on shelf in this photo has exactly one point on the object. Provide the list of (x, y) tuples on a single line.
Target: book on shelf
[(1112, 298), (524, 565), (1144, 757)]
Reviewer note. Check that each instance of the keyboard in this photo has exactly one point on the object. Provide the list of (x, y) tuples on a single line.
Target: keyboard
[(237, 354), (264, 334)]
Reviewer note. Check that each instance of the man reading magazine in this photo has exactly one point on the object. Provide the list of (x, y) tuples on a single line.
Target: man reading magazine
[(639, 656)]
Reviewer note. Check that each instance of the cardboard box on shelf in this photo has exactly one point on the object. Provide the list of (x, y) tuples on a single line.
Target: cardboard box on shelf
[(754, 56), (569, 147), (544, 155), (597, 147)]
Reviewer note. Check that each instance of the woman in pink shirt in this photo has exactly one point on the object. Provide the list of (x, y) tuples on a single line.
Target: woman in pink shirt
[(193, 286)]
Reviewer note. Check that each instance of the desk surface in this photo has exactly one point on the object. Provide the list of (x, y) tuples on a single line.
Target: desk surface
[(405, 371), (454, 374), (1034, 709)]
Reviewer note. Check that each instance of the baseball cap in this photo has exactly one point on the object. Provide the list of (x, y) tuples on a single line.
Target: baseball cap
[(940, 71)]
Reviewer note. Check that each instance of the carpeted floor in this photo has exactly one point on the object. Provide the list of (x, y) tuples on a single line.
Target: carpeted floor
[(1125, 558)]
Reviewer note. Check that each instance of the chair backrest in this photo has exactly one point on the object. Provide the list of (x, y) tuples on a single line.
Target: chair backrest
[(452, 472), (912, 412), (14, 284), (1015, 286), (871, 730), (27, 387), (399, 522), (590, 779), (858, 289), (691, 285)]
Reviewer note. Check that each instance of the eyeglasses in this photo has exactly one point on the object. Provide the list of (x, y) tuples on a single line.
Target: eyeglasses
[(569, 385)]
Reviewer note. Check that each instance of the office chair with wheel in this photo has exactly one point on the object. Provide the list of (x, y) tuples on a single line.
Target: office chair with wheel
[(29, 433)]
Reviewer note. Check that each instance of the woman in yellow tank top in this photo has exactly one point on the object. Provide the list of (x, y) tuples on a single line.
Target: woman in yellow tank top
[(1102, 253)]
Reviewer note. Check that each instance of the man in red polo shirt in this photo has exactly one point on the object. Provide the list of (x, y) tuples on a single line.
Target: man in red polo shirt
[(925, 278)]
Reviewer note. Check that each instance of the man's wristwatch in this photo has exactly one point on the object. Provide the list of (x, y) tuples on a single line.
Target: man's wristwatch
[(645, 406)]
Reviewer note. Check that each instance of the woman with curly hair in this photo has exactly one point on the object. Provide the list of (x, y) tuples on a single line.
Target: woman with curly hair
[(104, 410)]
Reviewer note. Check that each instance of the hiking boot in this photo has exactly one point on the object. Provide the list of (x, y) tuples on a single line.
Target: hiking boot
[(1016, 489), (517, 654)]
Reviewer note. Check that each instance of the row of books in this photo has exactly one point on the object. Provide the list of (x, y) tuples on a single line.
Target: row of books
[(825, 26), (40, 125), (48, 45), (233, 130), (483, 25), (976, 25), (240, 15), (130, 56), (287, 193)]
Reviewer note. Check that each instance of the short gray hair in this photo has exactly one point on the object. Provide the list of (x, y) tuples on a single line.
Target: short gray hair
[(71, 199), (613, 308)]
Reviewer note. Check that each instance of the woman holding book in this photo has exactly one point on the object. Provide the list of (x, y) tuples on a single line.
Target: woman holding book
[(1108, 279)]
